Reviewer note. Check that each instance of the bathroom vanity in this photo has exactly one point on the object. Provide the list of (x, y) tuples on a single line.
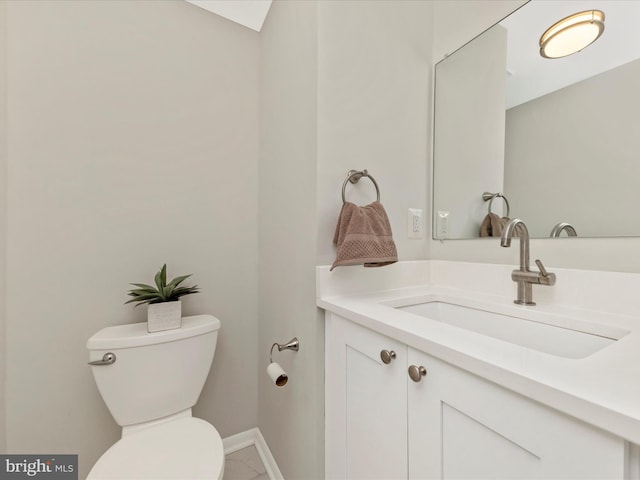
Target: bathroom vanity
[(450, 379), (431, 370)]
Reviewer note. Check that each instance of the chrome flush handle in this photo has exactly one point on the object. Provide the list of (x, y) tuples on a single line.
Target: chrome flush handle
[(107, 359)]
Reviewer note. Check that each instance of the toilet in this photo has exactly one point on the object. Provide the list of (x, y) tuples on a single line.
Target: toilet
[(149, 382)]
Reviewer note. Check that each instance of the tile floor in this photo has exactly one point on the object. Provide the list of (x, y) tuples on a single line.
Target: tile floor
[(245, 464)]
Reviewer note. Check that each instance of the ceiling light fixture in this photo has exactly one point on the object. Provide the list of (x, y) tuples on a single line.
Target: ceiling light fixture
[(572, 34)]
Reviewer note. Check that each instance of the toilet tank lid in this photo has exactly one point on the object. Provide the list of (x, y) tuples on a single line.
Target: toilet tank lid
[(136, 335)]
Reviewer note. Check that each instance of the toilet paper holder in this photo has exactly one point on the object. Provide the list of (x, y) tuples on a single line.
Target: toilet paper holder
[(277, 375), (293, 344)]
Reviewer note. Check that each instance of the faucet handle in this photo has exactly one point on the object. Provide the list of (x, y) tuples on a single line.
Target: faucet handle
[(545, 278), (543, 270)]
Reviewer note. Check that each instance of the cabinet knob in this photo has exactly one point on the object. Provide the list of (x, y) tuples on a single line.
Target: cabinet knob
[(416, 373), (386, 356)]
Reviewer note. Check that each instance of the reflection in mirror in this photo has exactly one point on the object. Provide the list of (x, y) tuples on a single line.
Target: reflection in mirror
[(559, 138)]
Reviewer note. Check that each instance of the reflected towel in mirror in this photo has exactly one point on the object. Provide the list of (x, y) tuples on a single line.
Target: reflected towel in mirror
[(492, 225)]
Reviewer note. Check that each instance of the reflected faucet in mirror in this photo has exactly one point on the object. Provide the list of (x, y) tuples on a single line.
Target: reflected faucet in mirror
[(558, 228), (523, 276)]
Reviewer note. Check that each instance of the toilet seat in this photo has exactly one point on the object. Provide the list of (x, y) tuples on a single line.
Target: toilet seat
[(187, 448)]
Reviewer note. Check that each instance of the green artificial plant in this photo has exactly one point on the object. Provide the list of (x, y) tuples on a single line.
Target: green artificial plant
[(163, 291)]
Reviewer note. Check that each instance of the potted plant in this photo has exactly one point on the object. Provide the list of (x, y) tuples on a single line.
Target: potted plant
[(164, 311)]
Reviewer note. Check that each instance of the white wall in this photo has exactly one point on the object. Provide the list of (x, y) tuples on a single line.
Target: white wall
[(457, 22), (132, 141), (3, 211), (291, 417), (344, 85), (374, 79)]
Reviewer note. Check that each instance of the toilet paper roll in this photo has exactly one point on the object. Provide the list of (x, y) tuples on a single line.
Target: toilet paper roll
[(277, 374)]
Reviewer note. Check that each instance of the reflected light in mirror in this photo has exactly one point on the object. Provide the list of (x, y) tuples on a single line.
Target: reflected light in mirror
[(572, 34)]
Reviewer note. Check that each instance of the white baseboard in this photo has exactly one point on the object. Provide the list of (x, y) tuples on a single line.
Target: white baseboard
[(239, 441), (254, 437)]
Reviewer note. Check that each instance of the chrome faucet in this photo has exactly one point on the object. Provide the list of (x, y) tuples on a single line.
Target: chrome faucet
[(524, 277), (557, 230)]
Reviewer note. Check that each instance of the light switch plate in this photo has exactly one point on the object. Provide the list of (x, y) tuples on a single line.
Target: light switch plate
[(415, 225)]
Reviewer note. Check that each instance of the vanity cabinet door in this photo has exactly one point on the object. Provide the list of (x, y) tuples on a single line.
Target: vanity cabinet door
[(461, 426), (366, 407)]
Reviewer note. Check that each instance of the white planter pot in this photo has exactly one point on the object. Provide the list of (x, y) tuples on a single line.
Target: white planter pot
[(164, 316)]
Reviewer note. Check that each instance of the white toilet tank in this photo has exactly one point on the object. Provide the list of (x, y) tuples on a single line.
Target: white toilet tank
[(154, 374)]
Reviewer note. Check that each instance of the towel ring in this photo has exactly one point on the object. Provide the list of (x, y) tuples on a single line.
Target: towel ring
[(491, 196), (354, 176)]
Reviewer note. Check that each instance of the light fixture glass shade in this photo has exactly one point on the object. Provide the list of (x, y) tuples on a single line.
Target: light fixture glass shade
[(572, 34)]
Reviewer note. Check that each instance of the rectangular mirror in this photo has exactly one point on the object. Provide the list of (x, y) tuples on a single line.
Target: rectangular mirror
[(558, 138)]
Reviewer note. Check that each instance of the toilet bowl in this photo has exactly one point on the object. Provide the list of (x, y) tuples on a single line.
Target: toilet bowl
[(149, 382), (186, 448)]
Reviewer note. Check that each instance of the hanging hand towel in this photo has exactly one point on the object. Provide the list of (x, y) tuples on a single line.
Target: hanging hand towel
[(363, 237), (493, 226)]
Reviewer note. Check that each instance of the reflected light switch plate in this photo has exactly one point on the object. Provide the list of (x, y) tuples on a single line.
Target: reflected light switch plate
[(443, 224)]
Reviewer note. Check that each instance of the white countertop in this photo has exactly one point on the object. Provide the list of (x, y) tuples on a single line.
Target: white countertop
[(602, 389)]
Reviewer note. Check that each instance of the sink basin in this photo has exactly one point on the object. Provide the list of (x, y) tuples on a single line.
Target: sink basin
[(552, 339)]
